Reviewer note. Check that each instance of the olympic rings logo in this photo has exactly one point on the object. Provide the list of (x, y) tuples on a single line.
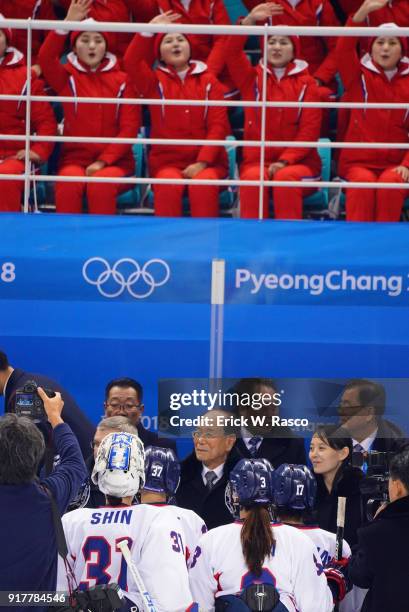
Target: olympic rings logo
[(124, 275)]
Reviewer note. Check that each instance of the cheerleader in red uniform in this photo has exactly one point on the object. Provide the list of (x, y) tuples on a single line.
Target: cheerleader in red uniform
[(288, 80), (179, 77), (92, 71), (13, 81), (379, 76)]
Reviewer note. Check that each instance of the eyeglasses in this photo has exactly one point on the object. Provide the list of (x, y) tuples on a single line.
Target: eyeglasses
[(207, 435), (128, 406)]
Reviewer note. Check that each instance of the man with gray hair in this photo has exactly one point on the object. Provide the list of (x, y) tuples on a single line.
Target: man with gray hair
[(205, 472), (106, 426), (26, 525)]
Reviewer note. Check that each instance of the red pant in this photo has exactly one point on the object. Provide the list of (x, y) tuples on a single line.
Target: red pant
[(11, 191), (374, 204), (287, 200), (101, 197), (203, 199)]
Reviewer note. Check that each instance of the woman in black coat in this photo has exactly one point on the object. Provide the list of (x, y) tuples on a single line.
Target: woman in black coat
[(330, 455)]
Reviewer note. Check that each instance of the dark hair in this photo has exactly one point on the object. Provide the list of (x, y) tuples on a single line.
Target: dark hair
[(257, 538), (370, 393), (113, 501), (250, 385), (21, 450), (123, 383), (336, 437), (4, 362), (399, 468)]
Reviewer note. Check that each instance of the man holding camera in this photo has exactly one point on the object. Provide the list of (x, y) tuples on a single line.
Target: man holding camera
[(380, 562), (27, 533), (13, 379)]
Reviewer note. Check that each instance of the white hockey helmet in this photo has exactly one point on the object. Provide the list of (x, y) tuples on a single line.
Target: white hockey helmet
[(120, 465)]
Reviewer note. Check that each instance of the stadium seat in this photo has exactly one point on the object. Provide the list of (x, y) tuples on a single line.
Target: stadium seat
[(228, 197), (130, 199), (318, 201)]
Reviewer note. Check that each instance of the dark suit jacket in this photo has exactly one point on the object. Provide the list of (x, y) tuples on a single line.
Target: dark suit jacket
[(380, 561), (73, 415), (389, 438), (192, 493), (277, 450)]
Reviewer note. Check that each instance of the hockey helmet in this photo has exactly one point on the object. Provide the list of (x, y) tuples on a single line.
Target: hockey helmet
[(119, 466), (249, 484), (294, 487), (162, 470)]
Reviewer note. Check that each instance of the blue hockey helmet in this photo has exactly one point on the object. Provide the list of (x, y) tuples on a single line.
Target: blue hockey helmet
[(162, 470), (249, 484), (294, 487)]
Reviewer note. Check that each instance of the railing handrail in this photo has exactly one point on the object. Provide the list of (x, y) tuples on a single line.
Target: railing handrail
[(257, 30)]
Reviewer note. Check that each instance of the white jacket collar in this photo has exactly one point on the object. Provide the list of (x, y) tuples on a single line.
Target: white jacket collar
[(16, 57), (74, 61), (403, 66), (198, 68), (298, 66)]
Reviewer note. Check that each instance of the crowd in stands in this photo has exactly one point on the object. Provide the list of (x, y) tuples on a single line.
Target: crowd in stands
[(207, 68)]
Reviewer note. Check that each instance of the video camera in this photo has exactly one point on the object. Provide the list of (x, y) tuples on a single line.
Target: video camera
[(29, 404), (375, 483)]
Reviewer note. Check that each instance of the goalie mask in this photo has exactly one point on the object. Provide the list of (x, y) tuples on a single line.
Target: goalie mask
[(119, 467), (249, 485)]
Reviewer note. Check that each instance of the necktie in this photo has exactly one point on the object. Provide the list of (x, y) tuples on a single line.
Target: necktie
[(210, 477), (253, 444), (359, 460)]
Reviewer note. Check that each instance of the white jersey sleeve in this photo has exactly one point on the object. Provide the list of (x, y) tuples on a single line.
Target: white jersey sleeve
[(193, 526), (162, 565), (325, 542)]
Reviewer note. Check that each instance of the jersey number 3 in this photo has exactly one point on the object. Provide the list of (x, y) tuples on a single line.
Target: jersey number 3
[(100, 560)]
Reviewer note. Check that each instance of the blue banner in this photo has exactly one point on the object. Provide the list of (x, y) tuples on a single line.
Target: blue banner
[(88, 298)]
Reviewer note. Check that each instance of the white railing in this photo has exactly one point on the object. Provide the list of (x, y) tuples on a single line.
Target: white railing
[(265, 31)]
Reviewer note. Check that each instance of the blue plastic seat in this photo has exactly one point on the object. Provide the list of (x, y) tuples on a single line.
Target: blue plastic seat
[(131, 198), (319, 200)]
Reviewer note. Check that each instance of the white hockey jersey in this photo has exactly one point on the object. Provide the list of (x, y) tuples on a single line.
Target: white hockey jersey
[(325, 541), (156, 544), (218, 568), (192, 525)]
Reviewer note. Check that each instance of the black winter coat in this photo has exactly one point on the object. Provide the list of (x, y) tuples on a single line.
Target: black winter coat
[(192, 493), (346, 484), (380, 562)]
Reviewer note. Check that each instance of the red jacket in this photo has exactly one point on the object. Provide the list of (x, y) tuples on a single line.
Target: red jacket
[(199, 122), (281, 123), (317, 51), (396, 11), (207, 48), (104, 120), (26, 9), (13, 80), (365, 82)]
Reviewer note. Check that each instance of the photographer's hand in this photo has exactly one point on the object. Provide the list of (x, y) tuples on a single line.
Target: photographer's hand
[(53, 407)]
